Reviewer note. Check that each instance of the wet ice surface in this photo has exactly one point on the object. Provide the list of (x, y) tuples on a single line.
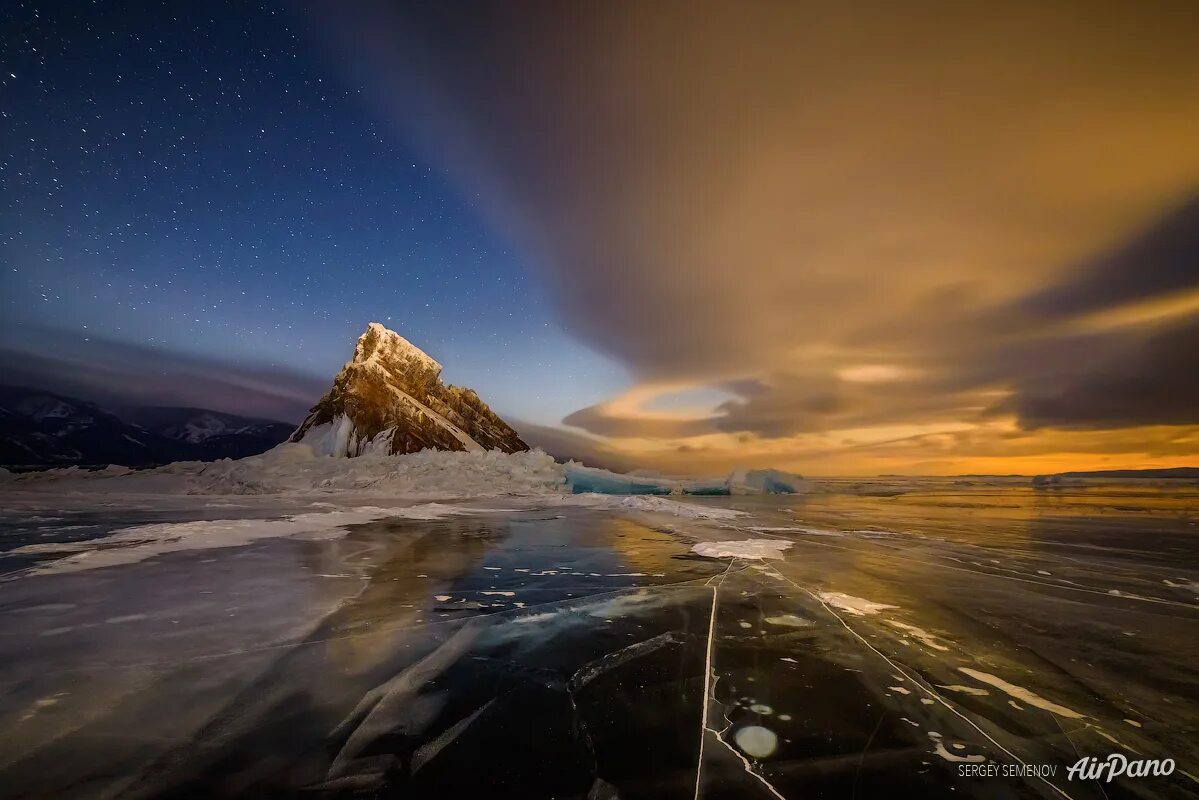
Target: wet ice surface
[(552, 651)]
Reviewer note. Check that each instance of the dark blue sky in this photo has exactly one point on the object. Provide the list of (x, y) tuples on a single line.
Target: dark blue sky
[(204, 180)]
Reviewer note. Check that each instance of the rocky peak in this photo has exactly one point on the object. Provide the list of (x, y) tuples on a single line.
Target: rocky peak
[(387, 349), (390, 398)]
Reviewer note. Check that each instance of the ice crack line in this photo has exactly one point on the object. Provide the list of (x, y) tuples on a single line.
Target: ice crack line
[(703, 723), (709, 686), (912, 676)]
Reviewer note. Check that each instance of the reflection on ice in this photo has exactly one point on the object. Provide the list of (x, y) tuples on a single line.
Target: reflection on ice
[(1020, 693), (390, 657)]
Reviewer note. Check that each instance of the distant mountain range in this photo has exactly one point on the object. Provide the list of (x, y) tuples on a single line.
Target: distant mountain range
[(1060, 480), (1169, 472), (44, 429)]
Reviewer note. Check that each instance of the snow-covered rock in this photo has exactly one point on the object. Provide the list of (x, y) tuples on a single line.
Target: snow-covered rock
[(389, 398)]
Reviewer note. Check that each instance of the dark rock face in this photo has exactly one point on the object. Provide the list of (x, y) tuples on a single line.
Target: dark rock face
[(390, 397), (43, 429)]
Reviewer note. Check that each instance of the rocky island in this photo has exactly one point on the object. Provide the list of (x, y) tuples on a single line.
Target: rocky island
[(390, 398)]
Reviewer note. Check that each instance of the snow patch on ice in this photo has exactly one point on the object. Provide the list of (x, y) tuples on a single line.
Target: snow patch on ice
[(919, 633), (746, 548), (132, 545), (971, 690), (797, 529), (939, 749), (853, 605), (1020, 693), (661, 505), (1191, 586), (648, 504), (542, 617)]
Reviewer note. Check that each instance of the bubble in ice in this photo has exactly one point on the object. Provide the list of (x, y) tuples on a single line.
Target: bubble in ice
[(756, 741)]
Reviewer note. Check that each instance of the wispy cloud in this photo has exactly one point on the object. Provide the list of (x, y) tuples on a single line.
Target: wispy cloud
[(121, 374)]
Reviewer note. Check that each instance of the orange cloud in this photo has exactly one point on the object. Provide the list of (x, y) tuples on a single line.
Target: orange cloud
[(951, 220)]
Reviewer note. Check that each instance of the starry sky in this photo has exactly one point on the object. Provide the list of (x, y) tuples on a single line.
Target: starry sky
[(203, 184), (837, 238)]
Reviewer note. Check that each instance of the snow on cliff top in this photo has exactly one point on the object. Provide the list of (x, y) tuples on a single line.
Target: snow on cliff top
[(390, 346)]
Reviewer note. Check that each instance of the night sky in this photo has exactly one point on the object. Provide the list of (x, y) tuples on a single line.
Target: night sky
[(837, 238), (202, 181)]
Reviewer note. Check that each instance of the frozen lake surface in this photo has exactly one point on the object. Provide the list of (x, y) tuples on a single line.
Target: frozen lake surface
[(894, 635)]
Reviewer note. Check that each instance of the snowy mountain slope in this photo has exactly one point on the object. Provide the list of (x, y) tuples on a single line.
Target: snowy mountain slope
[(39, 429), (42, 428), (214, 434), (390, 398)]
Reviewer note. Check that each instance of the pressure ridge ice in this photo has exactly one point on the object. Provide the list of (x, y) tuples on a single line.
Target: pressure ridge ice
[(298, 467)]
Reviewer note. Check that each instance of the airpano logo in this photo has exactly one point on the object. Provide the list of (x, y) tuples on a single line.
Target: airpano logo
[(1087, 768), (1092, 769)]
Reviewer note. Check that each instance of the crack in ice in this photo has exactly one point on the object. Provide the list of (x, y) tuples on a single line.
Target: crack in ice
[(709, 688), (918, 682), (703, 723)]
